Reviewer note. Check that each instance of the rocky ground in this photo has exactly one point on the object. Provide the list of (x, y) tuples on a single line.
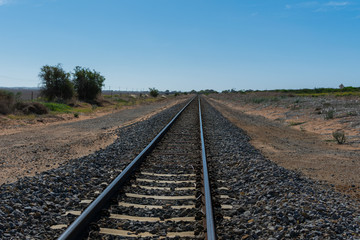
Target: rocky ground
[(307, 147), (268, 201)]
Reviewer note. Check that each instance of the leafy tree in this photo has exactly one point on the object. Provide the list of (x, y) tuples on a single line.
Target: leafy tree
[(154, 92), (55, 83), (87, 83)]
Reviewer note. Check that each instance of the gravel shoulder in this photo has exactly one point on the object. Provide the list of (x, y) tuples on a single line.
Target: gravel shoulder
[(25, 151), (302, 151), (255, 198)]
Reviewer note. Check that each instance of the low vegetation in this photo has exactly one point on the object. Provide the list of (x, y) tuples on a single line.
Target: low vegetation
[(10, 103), (153, 92), (259, 100), (339, 136), (7, 102), (306, 92), (58, 107), (329, 114), (32, 108), (341, 91)]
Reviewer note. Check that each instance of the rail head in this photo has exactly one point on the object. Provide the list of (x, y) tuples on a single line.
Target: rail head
[(77, 228), (210, 224)]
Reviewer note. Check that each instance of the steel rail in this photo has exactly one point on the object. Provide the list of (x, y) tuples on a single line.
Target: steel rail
[(210, 225), (77, 228)]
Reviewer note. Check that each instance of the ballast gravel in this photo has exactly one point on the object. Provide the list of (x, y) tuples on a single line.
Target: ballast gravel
[(31, 205), (264, 200), (177, 153)]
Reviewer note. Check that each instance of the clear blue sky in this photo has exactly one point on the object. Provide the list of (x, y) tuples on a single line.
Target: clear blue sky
[(184, 44)]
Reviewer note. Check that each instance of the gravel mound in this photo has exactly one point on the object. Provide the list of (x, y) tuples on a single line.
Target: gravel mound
[(268, 201), (30, 206)]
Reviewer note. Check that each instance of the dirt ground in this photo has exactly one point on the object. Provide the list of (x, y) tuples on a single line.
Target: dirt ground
[(31, 148), (304, 148)]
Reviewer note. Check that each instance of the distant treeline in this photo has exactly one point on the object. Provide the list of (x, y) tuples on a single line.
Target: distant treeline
[(302, 91), (318, 90)]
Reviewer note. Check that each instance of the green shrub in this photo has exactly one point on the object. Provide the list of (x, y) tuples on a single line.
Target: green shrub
[(258, 100), (154, 92), (120, 100), (352, 114), (339, 136), (329, 114)]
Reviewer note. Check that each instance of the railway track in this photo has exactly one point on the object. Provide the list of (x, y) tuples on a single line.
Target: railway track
[(163, 193), (164, 197)]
